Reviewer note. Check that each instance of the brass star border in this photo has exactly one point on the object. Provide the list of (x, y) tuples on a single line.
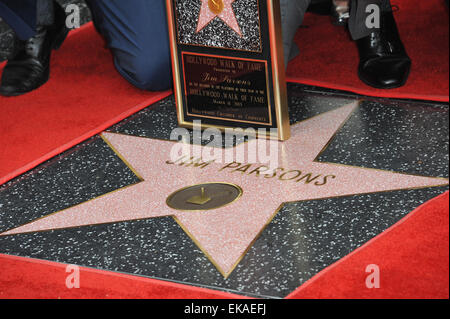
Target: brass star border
[(224, 273)]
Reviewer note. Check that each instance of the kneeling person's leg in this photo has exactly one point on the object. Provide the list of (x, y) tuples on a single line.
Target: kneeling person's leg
[(137, 33)]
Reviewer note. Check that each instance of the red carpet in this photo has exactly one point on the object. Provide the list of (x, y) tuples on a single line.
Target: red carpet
[(413, 257), (84, 96), (330, 59), (22, 278)]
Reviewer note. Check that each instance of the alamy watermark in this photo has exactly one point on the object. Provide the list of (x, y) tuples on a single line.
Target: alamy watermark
[(73, 16), (373, 279), (73, 279), (219, 146), (373, 20)]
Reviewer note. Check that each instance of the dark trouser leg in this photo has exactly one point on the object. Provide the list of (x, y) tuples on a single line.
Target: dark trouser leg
[(292, 13), (359, 12), (25, 16), (20, 16), (136, 32), (45, 13)]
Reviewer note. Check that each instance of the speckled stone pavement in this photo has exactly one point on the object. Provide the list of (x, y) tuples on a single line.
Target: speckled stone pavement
[(303, 238)]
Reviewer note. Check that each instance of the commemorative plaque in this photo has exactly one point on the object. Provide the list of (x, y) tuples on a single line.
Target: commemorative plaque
[(228, 64)]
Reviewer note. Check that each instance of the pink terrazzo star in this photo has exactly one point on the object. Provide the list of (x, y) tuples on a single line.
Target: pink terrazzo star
[(226, 14), (226, 233)]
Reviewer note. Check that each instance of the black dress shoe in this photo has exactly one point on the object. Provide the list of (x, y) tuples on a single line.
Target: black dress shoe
[(384, 63), (29, 67)]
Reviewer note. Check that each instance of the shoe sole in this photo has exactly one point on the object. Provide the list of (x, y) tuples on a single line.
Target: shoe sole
[(389, 87)]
